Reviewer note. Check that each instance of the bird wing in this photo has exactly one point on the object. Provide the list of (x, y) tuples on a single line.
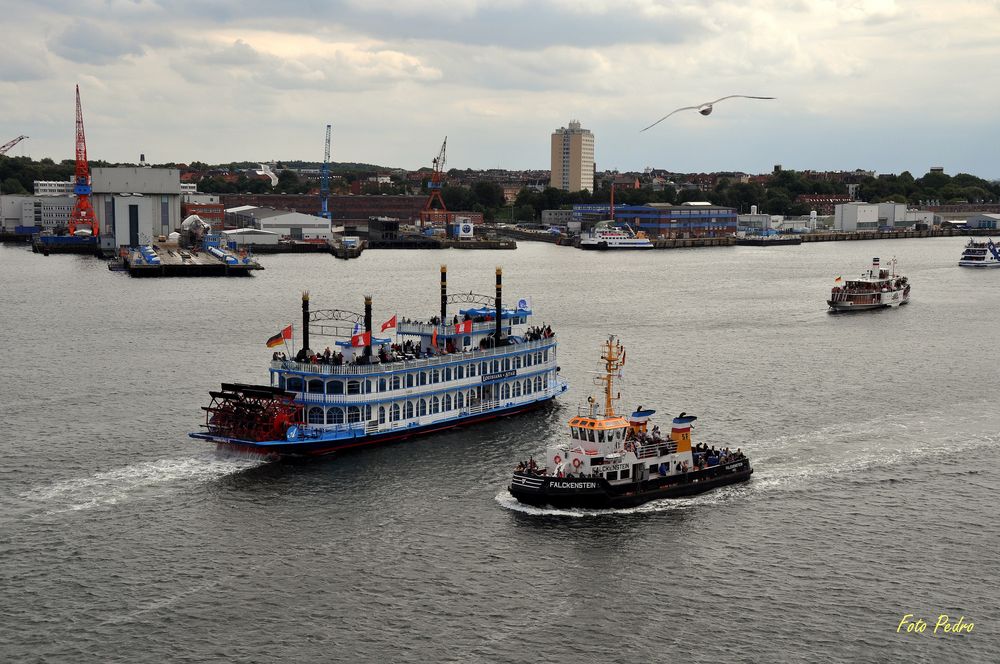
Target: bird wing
[(741, 96), (676, 110)]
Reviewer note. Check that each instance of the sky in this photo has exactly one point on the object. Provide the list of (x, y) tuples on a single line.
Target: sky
[(883, 85)]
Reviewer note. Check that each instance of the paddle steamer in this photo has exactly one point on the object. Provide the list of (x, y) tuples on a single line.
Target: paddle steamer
[(615, 461), (877, 288), (427, 376)]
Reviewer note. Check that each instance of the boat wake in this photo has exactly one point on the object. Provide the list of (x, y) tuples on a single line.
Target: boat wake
[(134, 481), (798, 462)]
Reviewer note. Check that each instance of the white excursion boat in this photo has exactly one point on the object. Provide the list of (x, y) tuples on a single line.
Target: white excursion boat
[(874, 289), (980, 254), (607, 235)]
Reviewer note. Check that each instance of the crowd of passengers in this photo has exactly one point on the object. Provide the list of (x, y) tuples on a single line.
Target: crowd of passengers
[(703, 456), (408, 350)]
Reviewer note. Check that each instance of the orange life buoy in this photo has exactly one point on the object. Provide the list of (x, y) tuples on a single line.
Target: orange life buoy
[(576, 463), (557, 459)]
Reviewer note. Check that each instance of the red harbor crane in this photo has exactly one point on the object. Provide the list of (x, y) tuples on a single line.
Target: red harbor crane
[(9, 144), (430, 214), (83, 216)]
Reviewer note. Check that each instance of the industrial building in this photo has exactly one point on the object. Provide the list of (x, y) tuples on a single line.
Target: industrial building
[(662, 220), (850, 217), (135, 205), (557, 217), (54, 187), (291, 225), (572, 158), (991, 221), (21, 213)]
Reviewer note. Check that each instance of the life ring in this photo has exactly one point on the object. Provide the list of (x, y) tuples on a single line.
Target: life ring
[(576, 463), (557, 459)]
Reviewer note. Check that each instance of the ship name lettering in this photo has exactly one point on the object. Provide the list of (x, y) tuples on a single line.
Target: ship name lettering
[(574, 485), (496, 376)]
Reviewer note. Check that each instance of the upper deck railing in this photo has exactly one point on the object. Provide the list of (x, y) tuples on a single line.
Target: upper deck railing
[(407, 364), (449, 329)]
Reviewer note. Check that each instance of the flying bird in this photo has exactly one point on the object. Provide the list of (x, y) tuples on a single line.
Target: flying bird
[(704, 109)]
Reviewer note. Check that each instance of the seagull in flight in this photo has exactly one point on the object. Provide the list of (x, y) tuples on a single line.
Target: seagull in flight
[(704, 109)]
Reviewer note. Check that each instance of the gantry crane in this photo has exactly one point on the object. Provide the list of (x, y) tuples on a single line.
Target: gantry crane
[(324, 182), (430, 213), (83, 214), (9, 144)]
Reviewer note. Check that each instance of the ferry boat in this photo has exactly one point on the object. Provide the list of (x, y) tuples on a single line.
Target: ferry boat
[(878, 287), (607, 235), (980, 254), (613, 461), (428, 376)]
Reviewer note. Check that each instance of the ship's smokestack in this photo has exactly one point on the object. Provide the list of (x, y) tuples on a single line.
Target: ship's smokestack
[(444, 294), (499, 305), (368, 327), (305, 320)]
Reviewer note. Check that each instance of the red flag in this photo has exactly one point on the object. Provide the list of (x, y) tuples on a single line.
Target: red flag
[(434, 337), (280, 337), (391, 323), (362, 339), (465, 327)]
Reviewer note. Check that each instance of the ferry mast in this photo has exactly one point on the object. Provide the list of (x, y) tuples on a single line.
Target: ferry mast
[(613, 355)]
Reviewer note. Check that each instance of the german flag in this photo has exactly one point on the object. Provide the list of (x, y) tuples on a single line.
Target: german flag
[(280, 337)]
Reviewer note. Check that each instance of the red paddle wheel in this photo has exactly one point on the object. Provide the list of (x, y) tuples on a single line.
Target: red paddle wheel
[(254, 413)]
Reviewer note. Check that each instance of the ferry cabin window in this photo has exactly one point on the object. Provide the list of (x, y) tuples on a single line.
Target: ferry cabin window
[(447, 403), (467, 341), (395, 382), (545, 380), (527, 360), (625, 474), (335, 387), (435, 376), (408, 410), (538, 383), (354, 387), (545, 355), (459, 400), (575, 433), (517, 361), (590, 435), (653, 469), (409, 380), (315, 386), (435, 405), (316, 415), (447, 374), (353, 414), (369, 386), (483, 368), (335, 416), (294, 385), (505, 391), (600, 436), (472, 370), (517, 388), (495, 366), (422, 378), (459, 372), (421, 407), (381, 414), (527, 386), (612, 475), (394, 413), (382, 384)]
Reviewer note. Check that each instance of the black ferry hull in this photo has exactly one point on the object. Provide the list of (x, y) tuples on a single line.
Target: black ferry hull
[(597, 493)]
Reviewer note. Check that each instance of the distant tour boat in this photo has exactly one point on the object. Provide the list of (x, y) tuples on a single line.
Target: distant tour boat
[(980, 254), (614, 461), (427, 376), (607, 235), (877, 288)]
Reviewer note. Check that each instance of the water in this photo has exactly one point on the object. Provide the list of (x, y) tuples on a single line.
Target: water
[(874, 436)]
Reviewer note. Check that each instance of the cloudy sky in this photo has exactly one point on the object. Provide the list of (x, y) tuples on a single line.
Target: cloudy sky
[(887, 85)]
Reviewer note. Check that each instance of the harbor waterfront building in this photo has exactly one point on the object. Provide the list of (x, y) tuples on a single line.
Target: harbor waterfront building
[(54, 187), (662, 220), (572, 158), (20, 213), (850, 217), (135, 205), (293, 225)]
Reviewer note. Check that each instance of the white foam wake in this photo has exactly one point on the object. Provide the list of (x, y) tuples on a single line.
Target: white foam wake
[(119, 484)]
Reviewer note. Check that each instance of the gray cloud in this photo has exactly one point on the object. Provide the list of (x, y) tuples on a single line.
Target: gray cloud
[(94, 43)]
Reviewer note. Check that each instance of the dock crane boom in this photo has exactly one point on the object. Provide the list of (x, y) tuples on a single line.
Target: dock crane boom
[(434, 186), (9, 144), (83, 214), (324, 182)]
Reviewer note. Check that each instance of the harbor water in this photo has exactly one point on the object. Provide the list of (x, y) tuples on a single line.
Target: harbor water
[(874, 437)]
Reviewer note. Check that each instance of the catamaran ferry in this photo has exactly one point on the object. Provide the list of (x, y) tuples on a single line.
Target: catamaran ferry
[(613, 461), (980, 254), (874, 289), (419, 378)]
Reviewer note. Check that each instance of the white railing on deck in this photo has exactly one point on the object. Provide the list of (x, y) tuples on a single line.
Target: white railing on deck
[(405, 365)]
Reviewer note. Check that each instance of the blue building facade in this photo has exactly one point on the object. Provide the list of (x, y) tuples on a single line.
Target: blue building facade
[(666, 221)]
